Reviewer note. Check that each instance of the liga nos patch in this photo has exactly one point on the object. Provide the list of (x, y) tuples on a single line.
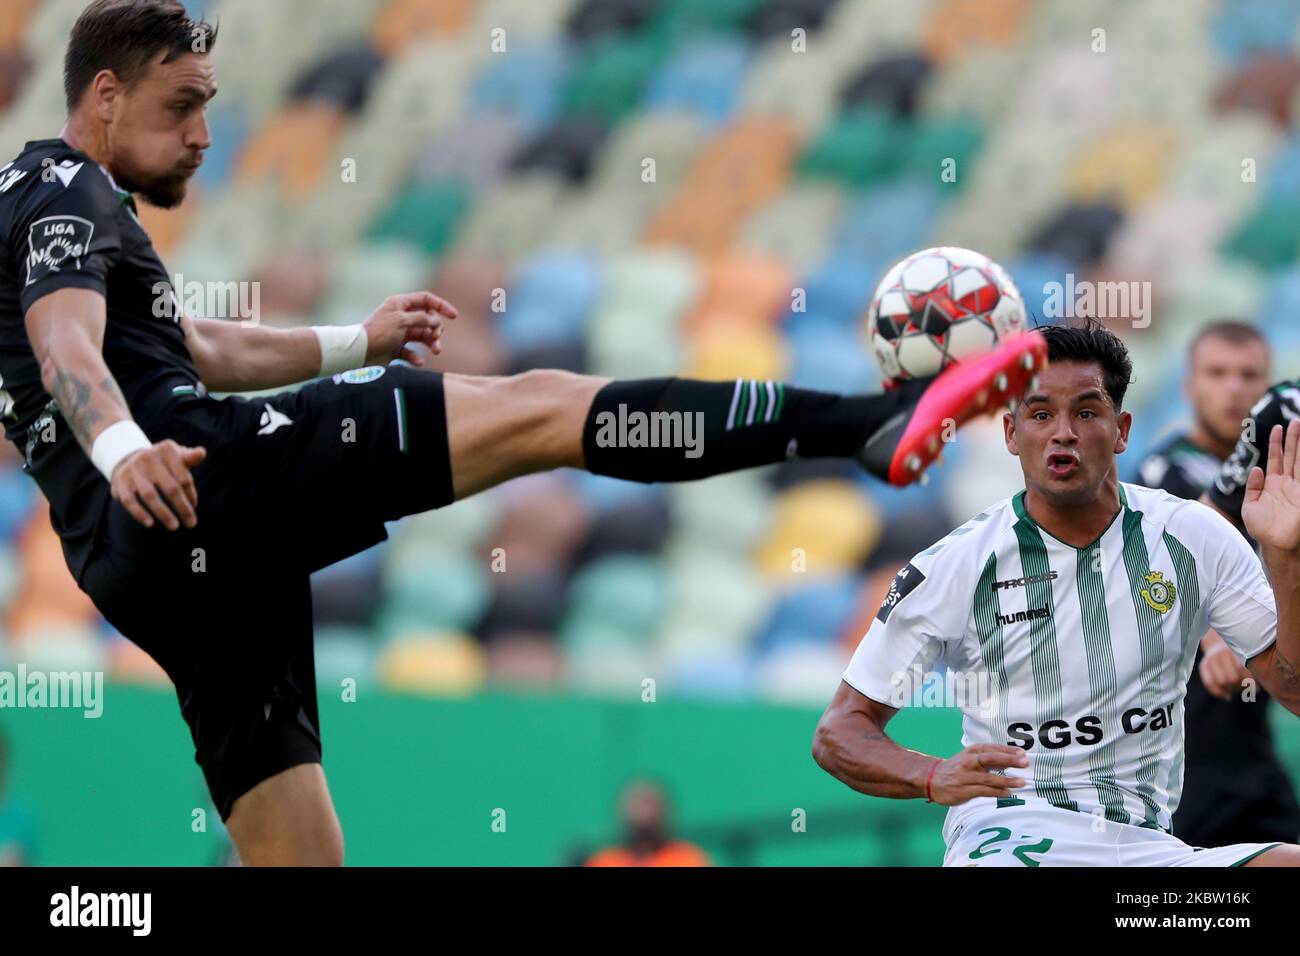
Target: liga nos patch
[(57, 242)]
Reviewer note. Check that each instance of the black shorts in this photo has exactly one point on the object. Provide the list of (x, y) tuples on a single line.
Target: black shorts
[(1225, 804), (292, 482)]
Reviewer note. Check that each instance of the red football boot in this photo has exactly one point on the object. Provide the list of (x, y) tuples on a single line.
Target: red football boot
[(901, 450)]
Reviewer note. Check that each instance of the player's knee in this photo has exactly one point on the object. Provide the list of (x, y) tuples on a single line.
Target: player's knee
[(1288, 854), (542, 381), (331, 852)]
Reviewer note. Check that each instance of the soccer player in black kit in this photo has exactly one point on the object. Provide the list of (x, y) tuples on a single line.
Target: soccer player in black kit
[(1234, 788), (195, 522)]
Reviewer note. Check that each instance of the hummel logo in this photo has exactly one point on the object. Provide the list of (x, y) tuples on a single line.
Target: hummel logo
[(1032, 614), (272, 421)]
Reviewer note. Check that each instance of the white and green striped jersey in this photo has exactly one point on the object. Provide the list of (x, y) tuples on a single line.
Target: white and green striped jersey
[(1079, 655)]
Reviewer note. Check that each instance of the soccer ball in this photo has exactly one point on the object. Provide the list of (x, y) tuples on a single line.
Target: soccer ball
[(938, 306)]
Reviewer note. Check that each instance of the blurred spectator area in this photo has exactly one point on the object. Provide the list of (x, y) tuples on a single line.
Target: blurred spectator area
[(637, 188)]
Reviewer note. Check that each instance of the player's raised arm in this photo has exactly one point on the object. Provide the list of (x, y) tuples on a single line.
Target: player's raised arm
[(153, 482), (1271, 512), (233, 357), (851, 745)]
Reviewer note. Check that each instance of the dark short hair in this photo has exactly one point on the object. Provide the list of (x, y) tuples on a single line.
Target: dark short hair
[(1227, 330), (124, 36), (1090, 341)]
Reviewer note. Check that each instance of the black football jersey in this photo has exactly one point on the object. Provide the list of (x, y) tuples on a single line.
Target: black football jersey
[(64, 223), (1279, 406), (1180, 468)]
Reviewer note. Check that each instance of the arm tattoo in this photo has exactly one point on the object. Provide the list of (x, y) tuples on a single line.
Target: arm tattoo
[(1284, 667), (75, 397), (874, 735)]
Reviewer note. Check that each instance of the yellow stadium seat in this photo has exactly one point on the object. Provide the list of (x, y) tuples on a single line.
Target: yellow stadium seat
[(820, 527), (1124, 168), (724, 350), (432, 664)]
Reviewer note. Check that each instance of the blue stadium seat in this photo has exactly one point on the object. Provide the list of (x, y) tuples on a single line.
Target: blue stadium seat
[(703, 77)]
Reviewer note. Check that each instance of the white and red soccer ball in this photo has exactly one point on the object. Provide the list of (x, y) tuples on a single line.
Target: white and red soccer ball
[(938, 306)]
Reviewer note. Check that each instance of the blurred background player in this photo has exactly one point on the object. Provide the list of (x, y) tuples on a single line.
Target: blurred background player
[(1228, 372), (647, 833), (1236, 787)]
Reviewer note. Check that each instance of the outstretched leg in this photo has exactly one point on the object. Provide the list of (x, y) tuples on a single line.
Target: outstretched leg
[(679, 429)]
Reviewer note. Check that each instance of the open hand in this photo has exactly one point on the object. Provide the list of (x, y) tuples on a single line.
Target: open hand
[(1271, 510), (405, 319)]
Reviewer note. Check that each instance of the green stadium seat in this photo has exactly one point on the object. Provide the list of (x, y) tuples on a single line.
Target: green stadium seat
[(345, 653), (685, 19), (713, 596), (1269, 237), (609, 79), (424, 215), (860, 148), (615, 597)]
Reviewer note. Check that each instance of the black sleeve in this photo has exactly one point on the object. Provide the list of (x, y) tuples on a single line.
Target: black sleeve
[(1229, 489), (1158, 471), (67, 236)]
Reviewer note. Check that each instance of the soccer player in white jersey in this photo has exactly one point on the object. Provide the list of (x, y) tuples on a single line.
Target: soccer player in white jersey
[(1070, 615)]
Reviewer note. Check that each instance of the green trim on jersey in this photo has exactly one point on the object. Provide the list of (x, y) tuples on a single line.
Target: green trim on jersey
[(1189, 598), (1045, 659), (986, 609), (1152, 644), (1102, 681), (1246, 859), (1018, 504)]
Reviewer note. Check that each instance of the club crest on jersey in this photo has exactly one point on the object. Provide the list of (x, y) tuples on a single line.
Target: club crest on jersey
[(904, 583), (57, 243), (359, 376), (1160, 594)]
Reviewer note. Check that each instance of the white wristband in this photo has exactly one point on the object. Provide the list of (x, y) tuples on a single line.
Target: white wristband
[(342, 347), (116, 442)]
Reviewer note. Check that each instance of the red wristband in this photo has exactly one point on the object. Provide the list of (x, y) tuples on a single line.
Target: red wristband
[(928, 777)]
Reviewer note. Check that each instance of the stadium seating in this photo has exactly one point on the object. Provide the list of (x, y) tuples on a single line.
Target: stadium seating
[(637, 188)]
